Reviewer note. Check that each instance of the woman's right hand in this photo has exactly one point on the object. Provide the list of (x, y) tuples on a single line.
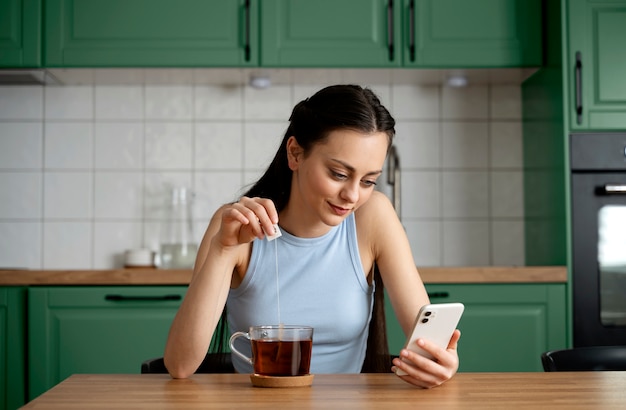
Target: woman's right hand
[(243, 221)]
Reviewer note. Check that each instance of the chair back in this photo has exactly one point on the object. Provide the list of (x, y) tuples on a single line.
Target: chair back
[(579, 359), (212, 363)]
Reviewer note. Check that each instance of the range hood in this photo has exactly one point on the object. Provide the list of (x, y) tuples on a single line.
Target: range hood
[(26, 77)]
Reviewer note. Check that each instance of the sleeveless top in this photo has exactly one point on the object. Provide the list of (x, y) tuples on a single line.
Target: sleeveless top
[(321, 284)]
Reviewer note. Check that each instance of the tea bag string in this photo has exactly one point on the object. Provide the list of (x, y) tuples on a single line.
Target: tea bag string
[(277, 282)]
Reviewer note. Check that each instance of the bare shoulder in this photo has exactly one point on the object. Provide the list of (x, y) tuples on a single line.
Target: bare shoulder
[(376, 216), (377, 207)]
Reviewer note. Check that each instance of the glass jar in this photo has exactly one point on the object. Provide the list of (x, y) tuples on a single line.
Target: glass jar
[(178, 246)]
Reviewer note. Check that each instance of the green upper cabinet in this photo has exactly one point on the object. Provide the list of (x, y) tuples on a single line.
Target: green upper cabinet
[(20, 33), (597, 64), (151, 33), (401, 33), (477, 33), (331, 33)]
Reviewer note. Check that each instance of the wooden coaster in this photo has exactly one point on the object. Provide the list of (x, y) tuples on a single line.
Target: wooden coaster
[(284, 381)]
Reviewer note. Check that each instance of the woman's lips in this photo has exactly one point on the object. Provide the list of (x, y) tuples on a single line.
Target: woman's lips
[(339, 210)]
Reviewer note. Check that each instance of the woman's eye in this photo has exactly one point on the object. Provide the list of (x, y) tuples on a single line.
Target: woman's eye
[(369, 183), (338, 175)]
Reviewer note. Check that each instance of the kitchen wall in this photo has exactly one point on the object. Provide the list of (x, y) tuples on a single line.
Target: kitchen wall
[(85, 166)]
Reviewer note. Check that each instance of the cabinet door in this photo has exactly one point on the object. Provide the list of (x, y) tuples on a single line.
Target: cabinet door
[(12, 347), (96, 330), (20, 33), (597, 64), (477, 33), (151, 33), (504, 327), (330, 33)]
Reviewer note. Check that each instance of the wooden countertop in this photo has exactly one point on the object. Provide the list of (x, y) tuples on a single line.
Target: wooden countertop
[(139, 276), (532, 390)]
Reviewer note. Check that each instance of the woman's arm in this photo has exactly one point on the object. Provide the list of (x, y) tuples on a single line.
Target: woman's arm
[(222, 259), (392, 253)]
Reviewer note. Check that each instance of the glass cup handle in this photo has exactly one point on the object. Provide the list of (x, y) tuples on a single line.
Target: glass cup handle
[(232, 345)]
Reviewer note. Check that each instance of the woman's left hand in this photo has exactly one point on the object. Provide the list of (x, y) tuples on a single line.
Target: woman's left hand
[(427, 373)]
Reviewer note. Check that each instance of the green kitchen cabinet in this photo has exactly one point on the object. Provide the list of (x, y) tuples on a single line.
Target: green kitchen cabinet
[(12, 347), (20, 33), (151, 33), (331, 33), (505, 327), (407, 33), (474, 34), (596, 64), (98, 329)]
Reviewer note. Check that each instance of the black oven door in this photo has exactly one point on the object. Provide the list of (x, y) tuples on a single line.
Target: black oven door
[(599, 258)]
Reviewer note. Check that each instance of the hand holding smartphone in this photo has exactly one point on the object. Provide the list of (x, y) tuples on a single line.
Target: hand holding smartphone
[(434, 323)]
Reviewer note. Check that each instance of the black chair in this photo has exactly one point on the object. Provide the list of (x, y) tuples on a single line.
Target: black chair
[(579, 359), (212, 363)]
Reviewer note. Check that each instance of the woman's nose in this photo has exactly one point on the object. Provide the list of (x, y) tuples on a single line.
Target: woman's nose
[(350, 192)]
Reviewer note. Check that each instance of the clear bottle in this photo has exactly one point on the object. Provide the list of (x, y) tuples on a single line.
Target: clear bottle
[(178, 246)]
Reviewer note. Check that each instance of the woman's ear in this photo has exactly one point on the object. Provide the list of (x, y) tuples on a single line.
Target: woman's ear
[(294, 153)]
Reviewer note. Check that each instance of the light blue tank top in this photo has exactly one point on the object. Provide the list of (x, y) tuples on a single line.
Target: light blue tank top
[(322, 284)]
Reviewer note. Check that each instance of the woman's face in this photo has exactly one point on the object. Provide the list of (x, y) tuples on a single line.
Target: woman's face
[(337, 176)]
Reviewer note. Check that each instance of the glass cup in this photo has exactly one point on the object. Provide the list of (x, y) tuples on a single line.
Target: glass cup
[(278, 350)]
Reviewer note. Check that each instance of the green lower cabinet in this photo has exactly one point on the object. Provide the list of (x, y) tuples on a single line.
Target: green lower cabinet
[(12, 347), (95, 330), (505, 327)]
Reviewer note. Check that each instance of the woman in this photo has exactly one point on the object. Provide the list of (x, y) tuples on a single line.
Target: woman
[(336, 229)]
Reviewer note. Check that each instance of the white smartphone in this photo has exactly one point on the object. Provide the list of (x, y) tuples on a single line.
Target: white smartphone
[(435, 323)]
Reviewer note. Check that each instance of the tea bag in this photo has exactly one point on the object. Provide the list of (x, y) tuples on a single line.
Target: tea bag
[(276, 234)]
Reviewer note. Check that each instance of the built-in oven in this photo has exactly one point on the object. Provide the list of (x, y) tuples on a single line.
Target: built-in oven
[(598, 193)]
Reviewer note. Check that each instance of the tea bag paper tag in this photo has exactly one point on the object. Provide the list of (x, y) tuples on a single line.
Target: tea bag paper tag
[(276, 234)]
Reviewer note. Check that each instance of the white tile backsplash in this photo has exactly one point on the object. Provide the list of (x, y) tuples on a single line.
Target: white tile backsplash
[(68, 103), (465, 145), (68, 145), (466, 243), (218, 103), (261, 140), (20, 196), (68, 245), (68, 195), (272, 103), (118, 195), (465, 103), (168, 145), (218, 145), (22, 145), (415, 102), (119, 145), (419, 144), (21, 103), (164, 103), (465, 194), (85, 170), (119, 102), (20, 244)]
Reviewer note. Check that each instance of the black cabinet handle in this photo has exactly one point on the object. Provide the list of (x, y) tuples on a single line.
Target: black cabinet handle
[(412, 30), (133, 298), (390, 29), (246, 46), (438, 295), (579, 88)]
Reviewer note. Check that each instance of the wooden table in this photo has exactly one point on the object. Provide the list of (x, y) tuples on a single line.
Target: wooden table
[(577, 390)]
